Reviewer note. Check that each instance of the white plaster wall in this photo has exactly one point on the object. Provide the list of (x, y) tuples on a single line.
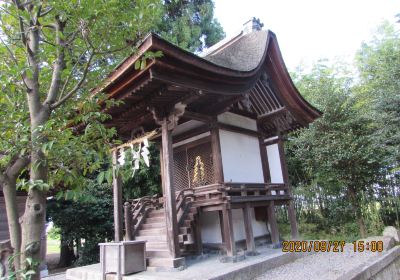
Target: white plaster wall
[(210, 227), (241, 158), (238, 224), (259, 227), (238, 120), (274, 162)]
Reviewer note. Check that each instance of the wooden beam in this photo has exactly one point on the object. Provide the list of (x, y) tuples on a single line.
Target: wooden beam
[(230, 245), (272, 114), (191, 133), (247, 218), (117, 200), (264, 160), (197, 117), (169, 189), (216, 156), (273, 223), (237, 129)]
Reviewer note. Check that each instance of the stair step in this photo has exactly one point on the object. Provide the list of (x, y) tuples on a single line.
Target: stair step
[(156, 214), (152, 246), (157, 238), (161, 253), (193, 210), (185, 230), (163, 262), (153, 226), (154, 220), (152, 231), (186, 239)]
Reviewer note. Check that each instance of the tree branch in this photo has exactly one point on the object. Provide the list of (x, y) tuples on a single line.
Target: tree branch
[(16, 165), (76, 87), (59, 66), (9, 51)]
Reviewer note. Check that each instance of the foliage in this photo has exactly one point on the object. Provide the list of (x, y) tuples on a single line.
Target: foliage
[(53, 53), (190, 24), (95, 222), (345, 165), (146, 180)]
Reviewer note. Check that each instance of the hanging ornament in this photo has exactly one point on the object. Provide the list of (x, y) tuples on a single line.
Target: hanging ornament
[(145, 152), (135, 159), (121, 158)]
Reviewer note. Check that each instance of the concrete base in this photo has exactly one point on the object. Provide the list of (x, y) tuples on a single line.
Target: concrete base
[(275, 245), (251, 253), (384, 268), (203, 268), (232, 259)]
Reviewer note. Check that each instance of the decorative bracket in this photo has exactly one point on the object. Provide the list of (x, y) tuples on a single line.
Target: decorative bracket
[(172, 116)]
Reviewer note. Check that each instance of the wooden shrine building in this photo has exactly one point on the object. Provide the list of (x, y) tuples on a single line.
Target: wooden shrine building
[(219, 120)]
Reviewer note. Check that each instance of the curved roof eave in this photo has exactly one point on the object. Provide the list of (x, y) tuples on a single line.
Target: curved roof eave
[(153, 42), (303, 110), (293, 99)]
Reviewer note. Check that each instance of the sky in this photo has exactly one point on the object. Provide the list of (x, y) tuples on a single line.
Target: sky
[(308, 30)]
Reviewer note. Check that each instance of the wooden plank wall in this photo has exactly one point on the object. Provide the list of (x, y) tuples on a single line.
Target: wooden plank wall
[(4, 235)]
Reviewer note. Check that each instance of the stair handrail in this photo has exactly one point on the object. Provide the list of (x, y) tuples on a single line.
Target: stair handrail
[(184, 199), (136, 211)]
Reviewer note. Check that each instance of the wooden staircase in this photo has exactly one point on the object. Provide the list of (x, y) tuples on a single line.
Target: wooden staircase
[(149, 225)]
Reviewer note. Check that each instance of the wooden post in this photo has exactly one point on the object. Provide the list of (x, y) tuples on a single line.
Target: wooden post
[(230, 244), (273, 224), (128, 221), (221, 225), (264, 159), (216, 154), (199, 243), (169, 189), (292, 220), (117, 199), (250, 245), (285, 173)]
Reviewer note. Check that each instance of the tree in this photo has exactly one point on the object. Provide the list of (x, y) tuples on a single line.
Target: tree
[(95, 223), (190, 24), (378, 62), (53, 52), (339, 150)]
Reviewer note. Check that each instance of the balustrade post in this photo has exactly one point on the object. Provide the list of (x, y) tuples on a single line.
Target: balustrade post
[(128, 221)]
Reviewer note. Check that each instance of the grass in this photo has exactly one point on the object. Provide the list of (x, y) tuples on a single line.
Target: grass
[(53, 246)]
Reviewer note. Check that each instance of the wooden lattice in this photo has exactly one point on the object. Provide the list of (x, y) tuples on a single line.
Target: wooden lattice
[(193, 166)]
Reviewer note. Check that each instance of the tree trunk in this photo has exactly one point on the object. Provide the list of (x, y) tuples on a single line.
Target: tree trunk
[(14, 227), (35, 207), (357, 211), (67, 256)]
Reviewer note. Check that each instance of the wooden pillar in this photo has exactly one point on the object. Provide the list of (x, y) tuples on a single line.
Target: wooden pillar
[(169, 189), (199, 242), (216, 154), (285, 173), (247, 217), (264, 160), (221, 225), (117, 199), (272, 222), (229, 236)]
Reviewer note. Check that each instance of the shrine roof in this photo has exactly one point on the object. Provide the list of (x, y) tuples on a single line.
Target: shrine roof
[(245, 73)]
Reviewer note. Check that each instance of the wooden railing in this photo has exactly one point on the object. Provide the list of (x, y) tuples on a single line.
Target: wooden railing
[(184, 200), (135, 211), (239, 192)]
